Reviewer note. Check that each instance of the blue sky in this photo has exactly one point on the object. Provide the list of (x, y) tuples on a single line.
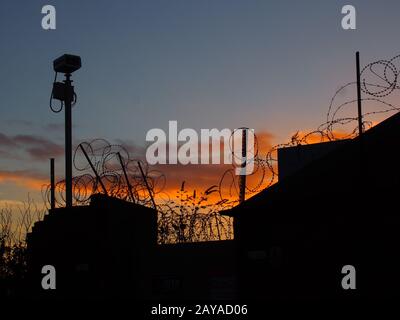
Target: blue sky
[(269, 65)]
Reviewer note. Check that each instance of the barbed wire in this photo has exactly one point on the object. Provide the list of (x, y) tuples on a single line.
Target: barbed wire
[(379, 79), (109, 173), (193, 219)]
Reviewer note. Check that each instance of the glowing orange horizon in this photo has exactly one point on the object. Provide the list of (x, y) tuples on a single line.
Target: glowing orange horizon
[(197, 177)]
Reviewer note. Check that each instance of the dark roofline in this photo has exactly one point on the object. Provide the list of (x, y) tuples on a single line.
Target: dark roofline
[(276, 188), (100, 199)]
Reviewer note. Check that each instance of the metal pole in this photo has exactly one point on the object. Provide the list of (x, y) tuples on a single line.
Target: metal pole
[(52, 185), (126, 177), (360, 129), (242, 181), (94, 170), (68, 139), (147, 186)]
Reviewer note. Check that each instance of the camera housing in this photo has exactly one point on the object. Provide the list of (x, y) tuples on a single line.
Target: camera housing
[(67, 63)]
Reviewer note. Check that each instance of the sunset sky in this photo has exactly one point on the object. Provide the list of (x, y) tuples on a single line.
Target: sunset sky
[(269, 65)]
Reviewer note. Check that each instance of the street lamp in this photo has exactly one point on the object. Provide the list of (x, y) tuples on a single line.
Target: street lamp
[(64, 91)]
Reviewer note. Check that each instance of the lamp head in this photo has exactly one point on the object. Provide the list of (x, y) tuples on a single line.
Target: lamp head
[(67, 63)]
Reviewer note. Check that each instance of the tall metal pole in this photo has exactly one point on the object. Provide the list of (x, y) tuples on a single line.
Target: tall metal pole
[(360, 129), (242, 181), (147, 186), (68, 140), (64, 92), (52, 185)]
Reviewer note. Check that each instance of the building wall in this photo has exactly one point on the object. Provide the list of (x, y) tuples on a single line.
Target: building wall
[(101, 250), (202, 270)]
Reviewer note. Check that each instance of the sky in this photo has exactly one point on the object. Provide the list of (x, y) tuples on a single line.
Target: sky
[(268, 65)]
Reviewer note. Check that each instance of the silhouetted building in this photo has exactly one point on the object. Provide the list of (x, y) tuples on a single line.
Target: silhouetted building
[(337, 209), (101, 250), (293, 159), (109, 250)]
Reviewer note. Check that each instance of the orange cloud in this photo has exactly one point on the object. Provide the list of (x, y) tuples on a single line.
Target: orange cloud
[(23, 178), (202, 176)]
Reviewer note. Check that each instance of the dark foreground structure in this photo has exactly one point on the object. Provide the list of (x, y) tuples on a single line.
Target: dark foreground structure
[(335, 204), (98, 251), (109, 250), (338, 206)]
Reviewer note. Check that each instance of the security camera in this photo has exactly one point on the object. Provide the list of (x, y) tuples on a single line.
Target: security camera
[(67, 63)]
